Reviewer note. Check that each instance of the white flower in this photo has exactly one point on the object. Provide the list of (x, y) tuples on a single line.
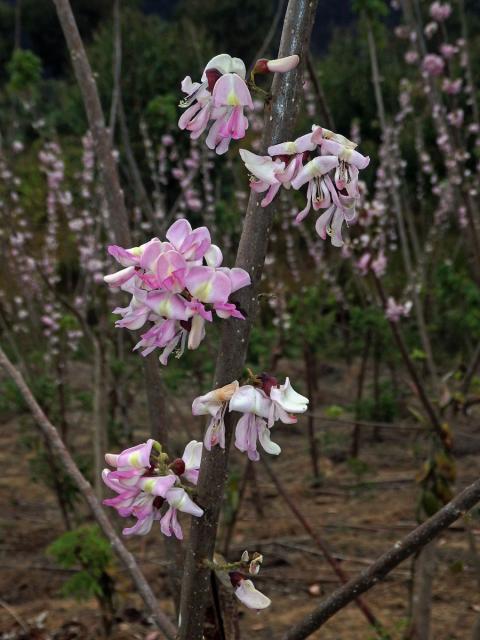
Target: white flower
[(248, 399), (251, 597), (288, 399)]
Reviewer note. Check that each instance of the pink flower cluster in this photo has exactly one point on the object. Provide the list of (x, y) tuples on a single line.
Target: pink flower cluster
[(327, 163), (144, 482), (220, 98), (378, 265), (433, 65), (440, 11), (261, 404), (173, 288), (395, 311)]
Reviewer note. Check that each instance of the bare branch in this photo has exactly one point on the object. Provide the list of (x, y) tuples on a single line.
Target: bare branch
[(52, 437), (400, 551), (96, 120), (315, 536)]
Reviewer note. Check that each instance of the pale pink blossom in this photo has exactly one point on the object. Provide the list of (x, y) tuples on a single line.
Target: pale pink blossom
[(176, 284), (217, 101), (440, 11), (433, 65), (395, 311), (246, 592)]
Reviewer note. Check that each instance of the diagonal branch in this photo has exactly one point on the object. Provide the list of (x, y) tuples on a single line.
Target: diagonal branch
[(280, 117), (400, 551), (88, 87), (332, 561), (55, 442)]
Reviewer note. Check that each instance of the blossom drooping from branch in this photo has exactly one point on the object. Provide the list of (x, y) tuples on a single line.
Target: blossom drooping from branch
[(214, 403), (247, 593), (326, 162), (221, 96), (433, 65), (440, 11), (144, 481), (395, 311), (177, 285), (262, 404), (219, 99)]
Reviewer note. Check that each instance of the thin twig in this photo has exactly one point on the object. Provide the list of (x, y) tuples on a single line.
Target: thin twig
[(400, 551), (314, 535)]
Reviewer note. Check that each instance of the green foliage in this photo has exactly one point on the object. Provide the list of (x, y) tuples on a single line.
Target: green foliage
[(53, 476), (87, 547), (333, 411), (25, 71), (373, 8), (383, 409), (10, 398), (215, 19), (457, 312), (359, 467), (162, 112)]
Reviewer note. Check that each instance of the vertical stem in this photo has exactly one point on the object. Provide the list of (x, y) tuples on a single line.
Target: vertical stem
[(322, 100), (233, 520), (96, 120), (312, 440), (18, 25), (424, 572), (398, 209), (402, 347), (360, 385), (117, 68), (99, 414), (280, 119)]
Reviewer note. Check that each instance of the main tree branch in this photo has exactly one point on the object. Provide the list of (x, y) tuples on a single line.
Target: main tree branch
[(400, 551), (280, 117)]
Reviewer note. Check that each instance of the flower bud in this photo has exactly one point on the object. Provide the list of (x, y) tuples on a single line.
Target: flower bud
[(280, 65), (178, 466), (236, 578), (268, 382)]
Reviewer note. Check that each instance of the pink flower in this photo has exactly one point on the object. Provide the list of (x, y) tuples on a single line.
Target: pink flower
[(280, 65), (191, 458), (433, 65), (411, 57), (143, 483), (178, 500), (246, 592), (218, 100), (440, 11), (394, 311), (452, 87), (289, 165), (176, 285), (448, 50), (214, 403)]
